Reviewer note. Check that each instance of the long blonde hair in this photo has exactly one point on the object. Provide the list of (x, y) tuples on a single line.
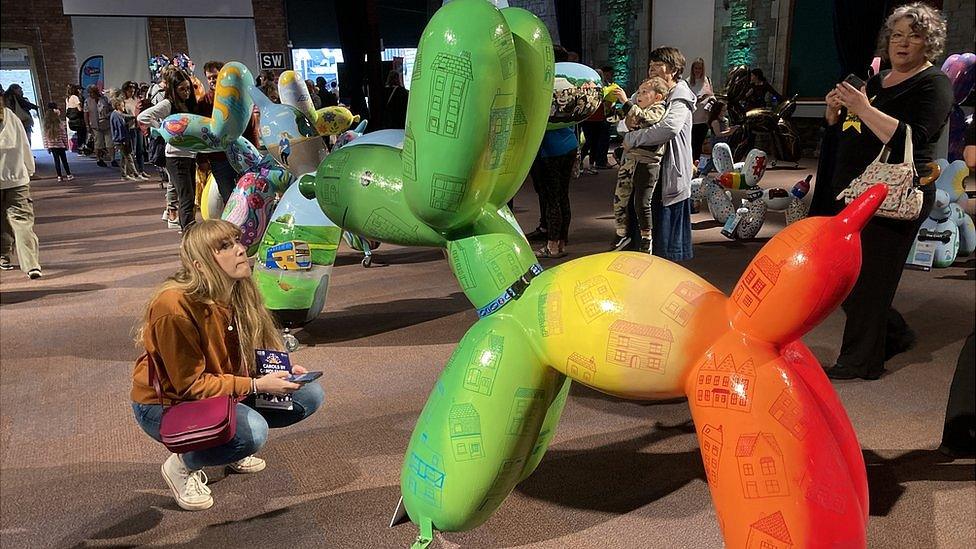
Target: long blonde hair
[(201, 279)]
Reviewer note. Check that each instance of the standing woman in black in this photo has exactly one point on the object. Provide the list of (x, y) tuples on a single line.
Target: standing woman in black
[(915, 94)]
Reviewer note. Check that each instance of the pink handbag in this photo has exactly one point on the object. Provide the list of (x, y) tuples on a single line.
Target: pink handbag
[(196, 424)]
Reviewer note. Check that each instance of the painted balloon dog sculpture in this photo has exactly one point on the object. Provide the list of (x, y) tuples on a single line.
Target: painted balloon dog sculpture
[(294, 289), (948, 225), (746, 220), (494, 410)]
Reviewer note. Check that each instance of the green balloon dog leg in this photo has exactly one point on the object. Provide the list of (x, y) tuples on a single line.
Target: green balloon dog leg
[(479, 429)]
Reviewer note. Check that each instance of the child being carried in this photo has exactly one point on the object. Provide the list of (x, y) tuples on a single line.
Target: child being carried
[(640, 167)]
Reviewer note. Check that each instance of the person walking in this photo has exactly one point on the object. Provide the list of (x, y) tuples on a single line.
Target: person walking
[(913, 94), (21, 107), (74, 111), (56, 140), (701, 86), (16, 207)]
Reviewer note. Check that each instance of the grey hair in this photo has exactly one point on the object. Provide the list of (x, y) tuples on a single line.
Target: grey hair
[(923, 19)]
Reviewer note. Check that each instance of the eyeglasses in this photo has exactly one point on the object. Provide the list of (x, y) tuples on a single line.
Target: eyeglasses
[(913, 38)]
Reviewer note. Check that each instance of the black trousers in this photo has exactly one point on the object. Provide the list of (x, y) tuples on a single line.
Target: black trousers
[(60, 159), (225, 177), (182, 172), (959, 433), (550, 177), (698, 134), (537, 173), (871, 320), (597, 145)]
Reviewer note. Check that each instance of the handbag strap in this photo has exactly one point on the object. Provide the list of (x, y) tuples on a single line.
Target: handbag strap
[(154, 378), (909, 151)]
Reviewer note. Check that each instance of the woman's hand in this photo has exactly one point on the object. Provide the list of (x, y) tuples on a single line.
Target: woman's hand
[(299, 370), (833, 107), (854, 99), (621, 95), (275, 384)]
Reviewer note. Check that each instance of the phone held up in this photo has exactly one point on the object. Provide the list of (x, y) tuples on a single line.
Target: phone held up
[(855, 81)]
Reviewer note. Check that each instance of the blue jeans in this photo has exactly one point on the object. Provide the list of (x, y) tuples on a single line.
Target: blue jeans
[(138, 149), (252, 426)]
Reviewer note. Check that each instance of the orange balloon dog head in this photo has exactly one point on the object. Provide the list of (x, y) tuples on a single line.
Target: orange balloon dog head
[(802, 273)]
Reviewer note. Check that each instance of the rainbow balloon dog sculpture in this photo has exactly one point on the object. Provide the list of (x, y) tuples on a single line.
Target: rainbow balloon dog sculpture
[(627, 324), (738, 183)]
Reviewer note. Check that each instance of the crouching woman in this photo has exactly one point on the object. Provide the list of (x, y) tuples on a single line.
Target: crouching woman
[(200, 332)]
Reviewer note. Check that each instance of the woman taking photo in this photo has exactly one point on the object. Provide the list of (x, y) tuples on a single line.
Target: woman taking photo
[(914, 94), (180, 164), (200, 331), (671, 204)]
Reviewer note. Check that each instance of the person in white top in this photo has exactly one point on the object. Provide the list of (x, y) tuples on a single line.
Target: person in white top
[(74, 110), (17, 219), (180, 164), (701, 86)]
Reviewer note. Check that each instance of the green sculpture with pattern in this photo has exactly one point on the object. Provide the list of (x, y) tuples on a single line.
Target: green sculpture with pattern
[(479, 102)]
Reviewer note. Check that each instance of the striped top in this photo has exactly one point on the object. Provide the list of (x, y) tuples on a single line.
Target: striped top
[(59, 140)]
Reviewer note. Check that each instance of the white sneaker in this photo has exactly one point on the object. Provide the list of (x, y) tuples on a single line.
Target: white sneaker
[(189, 487), (69, 177), (250, 464), (170, 224)]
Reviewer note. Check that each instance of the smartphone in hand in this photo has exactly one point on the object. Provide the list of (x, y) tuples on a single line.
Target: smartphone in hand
[(303, 378), (855, 81)]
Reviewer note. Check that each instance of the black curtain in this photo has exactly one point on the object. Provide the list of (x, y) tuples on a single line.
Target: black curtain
[(570, 26), (856, 27)]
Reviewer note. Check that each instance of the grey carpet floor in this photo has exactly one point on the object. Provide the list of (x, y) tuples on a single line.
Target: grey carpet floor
[(76, 471)]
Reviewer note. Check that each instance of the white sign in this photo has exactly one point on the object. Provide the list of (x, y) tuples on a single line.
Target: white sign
[(271, 60)]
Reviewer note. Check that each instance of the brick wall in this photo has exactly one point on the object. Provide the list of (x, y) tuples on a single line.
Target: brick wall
[(167, 36), (271, 27), (47, 32)]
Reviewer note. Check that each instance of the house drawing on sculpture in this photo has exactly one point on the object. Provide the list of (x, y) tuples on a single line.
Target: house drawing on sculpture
[(499, 129), (464, 424), (629, 265), (446, 192), (769, 532), (678, 305), (483, 365), (550, 312), (762, 468), (527, 407), (756, 284), (787, 411), (427, 480), (505, 48), (711, 450), (725, 385), (580, 367), (502, 264), (515, 139), (592, 295), (451, 75), (639, 346)]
